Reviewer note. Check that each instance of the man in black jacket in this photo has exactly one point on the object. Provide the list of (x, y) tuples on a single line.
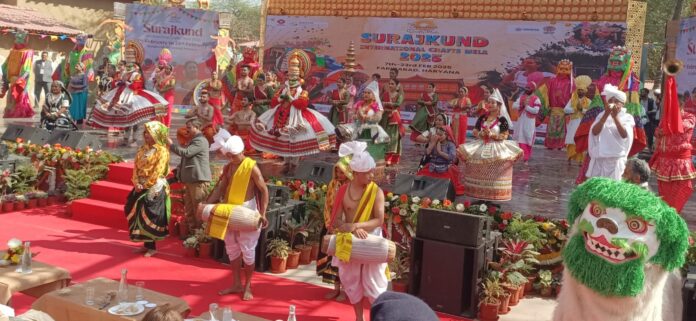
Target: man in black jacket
[(193, 170), (650, 120)]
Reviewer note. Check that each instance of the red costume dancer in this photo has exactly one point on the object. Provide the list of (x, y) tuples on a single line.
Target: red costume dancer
[(214, 87), (672, 159), (559, 92), (15, 75), (165, 82), (460, 117)]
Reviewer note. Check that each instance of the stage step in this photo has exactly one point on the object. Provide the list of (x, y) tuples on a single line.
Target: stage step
[(99, 212), (109, 192), (121, 173)]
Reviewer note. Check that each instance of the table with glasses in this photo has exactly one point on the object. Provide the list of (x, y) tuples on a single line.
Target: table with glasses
[(238, 316), (71, 303), (43, 278)]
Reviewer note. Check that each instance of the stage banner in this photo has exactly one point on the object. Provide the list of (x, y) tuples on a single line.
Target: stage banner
[(686, 52), (446, 52), (187, 33)]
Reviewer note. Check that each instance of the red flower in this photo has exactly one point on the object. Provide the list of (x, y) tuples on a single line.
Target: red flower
[(539, 218), (425, 202), (506, 216), (447, 203), (492, 209), (19, 140), (403, 198), (467, 204), (395, 210), (501, 227), (310, 184)]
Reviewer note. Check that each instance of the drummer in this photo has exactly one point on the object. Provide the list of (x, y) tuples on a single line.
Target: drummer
[(239, 177), (359, 210)]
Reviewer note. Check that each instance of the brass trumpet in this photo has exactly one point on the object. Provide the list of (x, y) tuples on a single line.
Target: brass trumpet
[(672, 66)]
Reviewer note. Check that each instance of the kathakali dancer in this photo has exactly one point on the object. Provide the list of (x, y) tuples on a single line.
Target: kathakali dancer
[(291, 129), (148, 206), (558, 90), (129, 104), (425, 112), (623, 255), (529, 106), (488, 160), (326, 265), (15, 78), (671, 161), (577, 107), (460, 115), (391, 122), (358, 211), (165, 83)]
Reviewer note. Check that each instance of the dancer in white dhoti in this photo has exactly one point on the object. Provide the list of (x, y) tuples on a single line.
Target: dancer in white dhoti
[(240, 184), (359, 211), (528, 105), (611, 139)]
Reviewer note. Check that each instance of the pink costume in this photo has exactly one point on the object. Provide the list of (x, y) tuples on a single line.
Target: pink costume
[(559, 92), (165, 84)]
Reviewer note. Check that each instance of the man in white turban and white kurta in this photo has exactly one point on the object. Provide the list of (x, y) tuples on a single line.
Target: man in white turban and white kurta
[(241, 184), (611, 137), (359, 211)]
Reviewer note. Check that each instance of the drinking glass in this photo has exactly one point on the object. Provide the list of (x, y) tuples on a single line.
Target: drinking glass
[(89, 296), (213, 311), (139, 286)]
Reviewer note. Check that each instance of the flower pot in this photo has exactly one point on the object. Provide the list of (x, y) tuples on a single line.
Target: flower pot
[(190, 252), (19, 206), (43, 202), (52, 200), (305, 252), (278, 264), (204, 250), (32, 203), (521, 293), (488, 312), (399, 286), (514, 295), (529, 286), (183, 229), (293, 259), (8, 207), (546, 292), (315, 251), (558, 290), (504, 306)]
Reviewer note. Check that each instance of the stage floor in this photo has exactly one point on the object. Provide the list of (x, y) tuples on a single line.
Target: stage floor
[(540, 188)]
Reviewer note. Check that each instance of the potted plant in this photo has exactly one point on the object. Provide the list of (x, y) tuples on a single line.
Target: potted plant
[(8, 203), (204, 242), (191, 245), (278, 250), (544, 283), (21, 202), (42, 198), (490, 302), (24, 178), (32, 202), (557, 284), (52, 198), (293, 228), (400, 269)]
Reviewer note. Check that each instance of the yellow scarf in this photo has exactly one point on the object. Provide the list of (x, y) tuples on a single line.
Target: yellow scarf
[(236, 193), (344, 241)]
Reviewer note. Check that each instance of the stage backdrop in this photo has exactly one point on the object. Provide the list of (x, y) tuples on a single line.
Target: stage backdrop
[(686, 52), (443, 51), (187, 33)]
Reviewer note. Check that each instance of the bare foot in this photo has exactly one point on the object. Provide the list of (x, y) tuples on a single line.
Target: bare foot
[(234, 289), (140, 250), (247, 295), (332, 294), (150, 253), (341, 297)]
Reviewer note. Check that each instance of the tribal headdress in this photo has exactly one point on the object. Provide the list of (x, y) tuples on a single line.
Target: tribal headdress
[(617, 228), (565, 67), (21, 37), (165, 57), (294, 75)]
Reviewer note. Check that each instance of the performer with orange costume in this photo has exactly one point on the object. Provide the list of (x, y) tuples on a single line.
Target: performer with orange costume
[(240, 123)]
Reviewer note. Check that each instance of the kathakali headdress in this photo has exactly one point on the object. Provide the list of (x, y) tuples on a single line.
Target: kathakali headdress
[(617, 229)]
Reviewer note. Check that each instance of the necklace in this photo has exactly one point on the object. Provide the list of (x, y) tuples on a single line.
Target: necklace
[(351, 196)]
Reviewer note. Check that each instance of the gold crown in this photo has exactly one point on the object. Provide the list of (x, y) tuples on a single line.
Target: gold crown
[(294, 64)]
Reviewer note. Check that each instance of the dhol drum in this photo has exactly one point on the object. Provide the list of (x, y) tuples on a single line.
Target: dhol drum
[(372, 250), (238, 218)]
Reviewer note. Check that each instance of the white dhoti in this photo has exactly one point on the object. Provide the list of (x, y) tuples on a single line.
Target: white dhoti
[(609, 167), (241, 243), (363, 280)]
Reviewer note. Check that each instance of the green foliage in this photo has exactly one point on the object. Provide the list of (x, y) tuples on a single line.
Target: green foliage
[(545, 279), (293, 228), (690, 254), (492, 289), (401, 265), (659, 12), (246, 18), (525, 230), (77, 184), (24, 178), (277, 248)]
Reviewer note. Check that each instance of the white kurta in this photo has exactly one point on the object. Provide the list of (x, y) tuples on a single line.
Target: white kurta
[(363, 280), (608, 151), (525, 129)]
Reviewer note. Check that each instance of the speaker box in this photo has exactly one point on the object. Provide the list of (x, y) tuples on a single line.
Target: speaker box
[(446, 276), (689, 295), (319, 172), (452, 227), (35, 135), (75, 139), (424, 186)]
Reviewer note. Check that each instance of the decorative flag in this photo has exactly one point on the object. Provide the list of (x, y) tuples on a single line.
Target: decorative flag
[(54, 38), (63, 37)]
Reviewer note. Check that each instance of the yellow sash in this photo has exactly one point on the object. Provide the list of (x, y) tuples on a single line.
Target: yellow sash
[(344, 241), (236, 193)]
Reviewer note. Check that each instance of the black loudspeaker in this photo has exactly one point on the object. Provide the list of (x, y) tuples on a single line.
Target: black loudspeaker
[(75, 139), (453, 227), (689, 295), (424, 186), (319, 172), (445, 276), (35, 135)]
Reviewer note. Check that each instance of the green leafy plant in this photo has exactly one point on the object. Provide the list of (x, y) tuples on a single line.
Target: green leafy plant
[(401, 265), (24, 178), (277, 248), (191, 242), (294, 228), (545, 279), (77, 182), (690, 254), (525, 230), (492, 290)]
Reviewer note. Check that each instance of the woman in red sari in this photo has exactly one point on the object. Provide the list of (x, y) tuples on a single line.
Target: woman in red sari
[(460, 118)]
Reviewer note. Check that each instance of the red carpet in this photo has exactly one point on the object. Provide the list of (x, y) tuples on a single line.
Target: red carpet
[(89, 251)]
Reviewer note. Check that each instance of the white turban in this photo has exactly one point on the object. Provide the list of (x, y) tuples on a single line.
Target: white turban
[(234, 145), (361, 161), (219, 139), (611, 91)]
